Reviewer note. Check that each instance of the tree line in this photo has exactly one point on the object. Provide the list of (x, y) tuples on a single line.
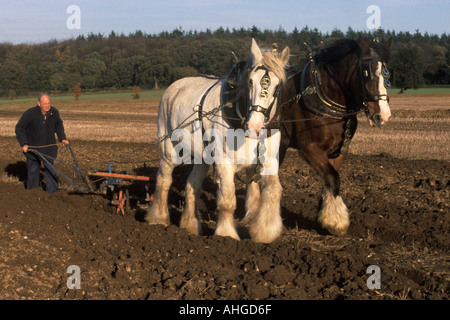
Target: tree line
[(97, 61)]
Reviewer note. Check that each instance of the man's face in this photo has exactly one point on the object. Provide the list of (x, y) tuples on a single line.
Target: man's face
[(44, 104)]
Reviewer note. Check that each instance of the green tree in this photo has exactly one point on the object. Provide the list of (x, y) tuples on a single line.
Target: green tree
[(158, 68), (45, 72), (58, 82), (93, 71), (436, 67), (408, 65), (11, 74), (138, 76), (120, 73), (215, 56), (31, 77), (183, 72)]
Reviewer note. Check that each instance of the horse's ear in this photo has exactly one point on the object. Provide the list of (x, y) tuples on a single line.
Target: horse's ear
[(363, 44), (256, 52), (285, 56), (387, 45)]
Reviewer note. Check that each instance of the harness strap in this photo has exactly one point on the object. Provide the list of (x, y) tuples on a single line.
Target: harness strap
[(199, 107)]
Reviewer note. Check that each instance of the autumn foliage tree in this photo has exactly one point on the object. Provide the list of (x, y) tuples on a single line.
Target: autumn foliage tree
[(77, 91), (135, 93)]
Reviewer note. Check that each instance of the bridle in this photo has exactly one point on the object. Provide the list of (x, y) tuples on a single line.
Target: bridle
[(264, 94), (365, 75)]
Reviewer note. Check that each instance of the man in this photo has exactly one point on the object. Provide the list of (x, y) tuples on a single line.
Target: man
[(37, 128)]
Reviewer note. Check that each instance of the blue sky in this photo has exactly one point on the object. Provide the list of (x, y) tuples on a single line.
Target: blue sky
[(34, 21)]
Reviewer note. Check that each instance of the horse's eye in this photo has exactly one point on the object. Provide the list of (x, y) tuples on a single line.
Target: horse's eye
[(250, 82)]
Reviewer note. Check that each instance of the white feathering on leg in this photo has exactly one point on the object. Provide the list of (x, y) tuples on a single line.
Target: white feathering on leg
[(334, 215)]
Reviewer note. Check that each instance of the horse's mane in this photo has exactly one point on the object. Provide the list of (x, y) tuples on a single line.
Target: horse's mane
[(338, 49), (381, 50), (272, 60)]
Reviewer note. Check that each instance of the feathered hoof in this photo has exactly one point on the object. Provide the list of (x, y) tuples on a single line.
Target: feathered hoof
[(227, 230), (248, 219), (151, 219), (193, 226), (266, 234), (265, 238), (334, 216), (336, 229)]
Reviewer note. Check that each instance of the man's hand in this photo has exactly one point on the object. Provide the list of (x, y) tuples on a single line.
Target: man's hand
[(64, 141), (25, 148)]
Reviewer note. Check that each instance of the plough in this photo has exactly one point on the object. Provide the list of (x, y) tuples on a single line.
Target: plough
[(120, 182), (114, 185)]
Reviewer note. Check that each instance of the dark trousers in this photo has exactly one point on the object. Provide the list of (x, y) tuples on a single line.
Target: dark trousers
[(33, 175)]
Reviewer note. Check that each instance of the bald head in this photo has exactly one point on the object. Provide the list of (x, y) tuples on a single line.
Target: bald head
[(44, 103), (43, 95)]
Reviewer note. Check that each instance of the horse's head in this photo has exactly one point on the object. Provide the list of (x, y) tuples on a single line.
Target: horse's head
[(266, 75), (374, 81)]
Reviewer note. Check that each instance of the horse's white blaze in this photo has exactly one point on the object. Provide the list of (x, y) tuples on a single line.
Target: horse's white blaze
[(385, 111), (256, 119)]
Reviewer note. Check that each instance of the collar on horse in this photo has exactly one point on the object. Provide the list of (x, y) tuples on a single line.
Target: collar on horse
[(317, 102), (235, 98)]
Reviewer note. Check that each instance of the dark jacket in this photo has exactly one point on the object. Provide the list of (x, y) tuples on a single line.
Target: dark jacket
[(35, 129)]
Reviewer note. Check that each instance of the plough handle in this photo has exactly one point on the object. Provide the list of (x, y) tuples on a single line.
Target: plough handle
[(83, 176)]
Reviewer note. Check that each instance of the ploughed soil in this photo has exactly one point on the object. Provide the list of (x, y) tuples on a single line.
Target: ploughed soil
[(399, 222)]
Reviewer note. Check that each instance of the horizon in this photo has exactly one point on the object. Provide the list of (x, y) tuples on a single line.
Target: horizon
[(212, 31), (34, 22)]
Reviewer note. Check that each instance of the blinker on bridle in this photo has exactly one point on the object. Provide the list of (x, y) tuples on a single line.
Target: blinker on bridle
[(385, 74), (366, 75)]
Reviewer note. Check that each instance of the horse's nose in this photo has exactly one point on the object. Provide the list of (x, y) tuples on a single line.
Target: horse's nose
[(377, 119), (251, 132)]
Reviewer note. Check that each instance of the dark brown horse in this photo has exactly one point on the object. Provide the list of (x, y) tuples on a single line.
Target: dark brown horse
[(320, 105)]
